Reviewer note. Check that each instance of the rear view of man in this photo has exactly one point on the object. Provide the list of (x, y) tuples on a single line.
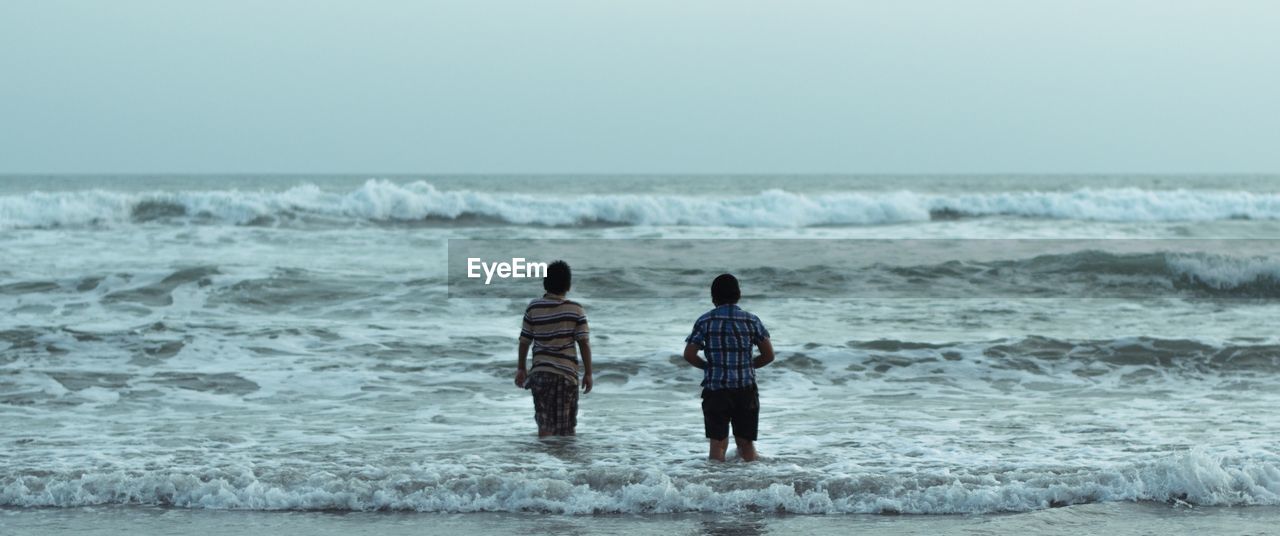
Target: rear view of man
[(729, 397), (552, 327)]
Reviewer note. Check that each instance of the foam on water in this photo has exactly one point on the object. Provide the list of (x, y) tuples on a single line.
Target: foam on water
[(1193, 478), (1226, 273), (385, 201), (287, 349)]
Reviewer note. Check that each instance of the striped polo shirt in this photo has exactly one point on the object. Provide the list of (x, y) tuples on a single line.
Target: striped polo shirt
[(554, 324), (726, 335)]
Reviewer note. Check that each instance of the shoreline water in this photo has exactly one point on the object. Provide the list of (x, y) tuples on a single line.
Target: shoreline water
[(200, 355), (1111, 519)]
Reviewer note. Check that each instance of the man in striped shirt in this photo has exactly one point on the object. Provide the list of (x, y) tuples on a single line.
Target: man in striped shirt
[(729, 397), (553, 326)]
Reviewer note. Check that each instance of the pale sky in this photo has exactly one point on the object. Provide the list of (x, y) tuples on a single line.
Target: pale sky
[(649, 86)]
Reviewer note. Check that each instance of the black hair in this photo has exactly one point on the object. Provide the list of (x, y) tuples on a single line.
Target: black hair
[(724, 290), (558, 278)]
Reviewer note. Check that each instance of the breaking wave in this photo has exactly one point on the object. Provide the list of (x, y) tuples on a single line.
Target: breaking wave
[(1191, 478), (381, 201)]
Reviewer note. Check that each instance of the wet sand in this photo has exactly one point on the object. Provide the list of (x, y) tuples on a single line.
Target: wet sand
[(1111, 519)]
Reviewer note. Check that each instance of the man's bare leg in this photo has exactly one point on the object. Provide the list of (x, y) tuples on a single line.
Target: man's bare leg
[(718, 448), (746, 449)]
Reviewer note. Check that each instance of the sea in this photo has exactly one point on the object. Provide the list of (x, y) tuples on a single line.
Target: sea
[(977, 354)]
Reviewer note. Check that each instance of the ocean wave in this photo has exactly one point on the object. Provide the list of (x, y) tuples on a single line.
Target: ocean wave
[(381, 201), (1226, 273), (1130, 359), (1191, 478), (973, 366), (1087, 273), (1081, 274), (1101, 273)]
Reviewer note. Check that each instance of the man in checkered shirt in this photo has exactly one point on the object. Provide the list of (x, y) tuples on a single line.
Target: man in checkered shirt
[(729, 397)]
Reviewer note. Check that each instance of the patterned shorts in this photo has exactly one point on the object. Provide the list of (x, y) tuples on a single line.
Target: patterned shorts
[(555, 403)]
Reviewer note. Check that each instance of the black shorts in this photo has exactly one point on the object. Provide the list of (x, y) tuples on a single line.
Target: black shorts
[(739, 407)]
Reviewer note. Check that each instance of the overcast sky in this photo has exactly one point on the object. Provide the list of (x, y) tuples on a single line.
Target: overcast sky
[(549, 86)]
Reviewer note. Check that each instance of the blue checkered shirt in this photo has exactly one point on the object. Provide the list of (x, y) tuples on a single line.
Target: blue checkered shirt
[(726, 335)]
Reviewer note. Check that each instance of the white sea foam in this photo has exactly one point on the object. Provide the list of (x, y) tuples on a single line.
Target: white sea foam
[(380, 200), (322, 370), (1224, 272), (1195, 478)]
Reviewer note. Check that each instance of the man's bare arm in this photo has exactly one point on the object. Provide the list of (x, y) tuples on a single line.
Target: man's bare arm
[(766, 354), (520, 368), (585, 348), (691, 355)]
